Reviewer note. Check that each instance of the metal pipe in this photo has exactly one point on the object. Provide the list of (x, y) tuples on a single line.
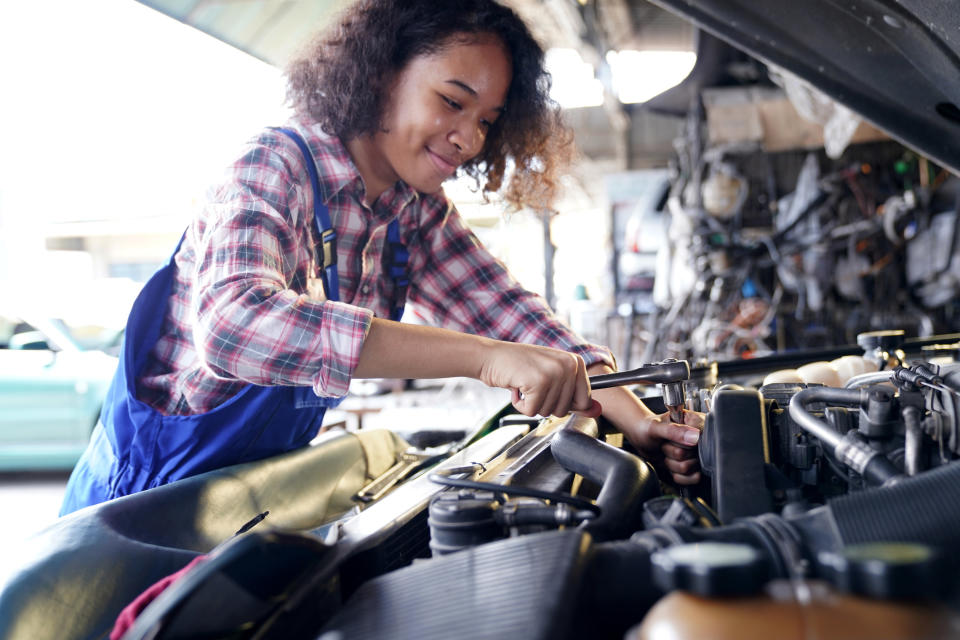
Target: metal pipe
[(913, 440), (869, 463), (818, 428), (872, 377)]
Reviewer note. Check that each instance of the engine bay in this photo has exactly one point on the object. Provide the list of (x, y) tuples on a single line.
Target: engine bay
[(830, 509)]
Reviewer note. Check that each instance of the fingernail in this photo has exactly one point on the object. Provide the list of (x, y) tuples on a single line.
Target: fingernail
[(691, 436)]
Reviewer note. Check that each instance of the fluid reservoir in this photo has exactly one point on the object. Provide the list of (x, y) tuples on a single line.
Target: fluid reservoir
[(783, 376), (810, 610), (832, 374), (850, 366), (819, 373), (878, 590)]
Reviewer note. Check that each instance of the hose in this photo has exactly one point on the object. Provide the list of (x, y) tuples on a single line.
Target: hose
[(626, 481)]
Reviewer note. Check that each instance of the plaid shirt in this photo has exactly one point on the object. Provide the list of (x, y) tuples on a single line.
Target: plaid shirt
[(247, 305)]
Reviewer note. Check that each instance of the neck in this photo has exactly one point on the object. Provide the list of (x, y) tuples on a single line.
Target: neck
[(377, 175)]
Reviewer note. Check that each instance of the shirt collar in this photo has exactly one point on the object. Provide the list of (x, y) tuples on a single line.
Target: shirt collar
[(339, 173)]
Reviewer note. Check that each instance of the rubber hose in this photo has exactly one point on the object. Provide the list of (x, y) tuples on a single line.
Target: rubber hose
[(626, 481)]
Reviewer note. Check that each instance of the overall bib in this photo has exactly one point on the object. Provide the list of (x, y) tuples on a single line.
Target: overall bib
[(134, 447)]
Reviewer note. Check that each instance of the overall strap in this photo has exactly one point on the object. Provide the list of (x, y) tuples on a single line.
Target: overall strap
[(397, 254), (397, 258), (321, 218)]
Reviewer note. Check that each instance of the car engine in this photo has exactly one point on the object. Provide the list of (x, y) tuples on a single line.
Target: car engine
[(830, 509)]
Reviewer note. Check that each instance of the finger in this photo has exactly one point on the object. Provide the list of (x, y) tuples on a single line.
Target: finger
[(594, 411), (551, 398), (565, 397), (693, 419), (686, 480), (581, 390), (683, 436), (682, 467), (675, 452), (519, 402)]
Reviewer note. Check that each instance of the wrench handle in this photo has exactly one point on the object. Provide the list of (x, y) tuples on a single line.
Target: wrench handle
[(647, 374)]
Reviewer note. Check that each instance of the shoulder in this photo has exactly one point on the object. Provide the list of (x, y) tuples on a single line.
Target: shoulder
[(267, 168), (267, 152), (299, 142)]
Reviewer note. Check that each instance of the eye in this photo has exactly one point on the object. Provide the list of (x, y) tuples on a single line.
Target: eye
[(486, 124), (453, 104)]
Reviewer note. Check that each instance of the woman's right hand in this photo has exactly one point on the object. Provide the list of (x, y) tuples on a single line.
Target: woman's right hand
[(543, 381)]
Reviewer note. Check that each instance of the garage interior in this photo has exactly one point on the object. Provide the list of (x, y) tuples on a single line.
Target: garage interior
[(780, 215), (689, 227)]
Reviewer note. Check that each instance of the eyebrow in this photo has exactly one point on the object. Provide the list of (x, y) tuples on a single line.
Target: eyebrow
[(470, 90)]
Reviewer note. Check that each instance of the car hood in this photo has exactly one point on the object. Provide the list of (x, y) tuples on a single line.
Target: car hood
[(895, 63)]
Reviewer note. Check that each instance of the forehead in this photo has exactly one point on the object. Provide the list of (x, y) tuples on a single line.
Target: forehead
[(480, 62)]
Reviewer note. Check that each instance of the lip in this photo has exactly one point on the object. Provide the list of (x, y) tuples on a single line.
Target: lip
[(446, 166)]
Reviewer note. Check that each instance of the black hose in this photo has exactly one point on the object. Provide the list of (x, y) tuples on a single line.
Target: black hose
[(626, 481), (817, 201), (923, 509)]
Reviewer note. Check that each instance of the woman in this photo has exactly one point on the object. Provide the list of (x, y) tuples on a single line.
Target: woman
[(280, 290)]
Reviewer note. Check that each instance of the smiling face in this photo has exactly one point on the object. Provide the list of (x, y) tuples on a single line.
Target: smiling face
[(437, 115)]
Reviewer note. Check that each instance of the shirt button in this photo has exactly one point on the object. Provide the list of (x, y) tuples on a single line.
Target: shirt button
[(365, 289)]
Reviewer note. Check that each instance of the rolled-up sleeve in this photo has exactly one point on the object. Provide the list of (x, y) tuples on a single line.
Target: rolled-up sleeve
[(254, 318)]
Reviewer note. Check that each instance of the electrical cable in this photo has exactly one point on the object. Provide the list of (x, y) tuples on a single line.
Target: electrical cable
[(528, 492)]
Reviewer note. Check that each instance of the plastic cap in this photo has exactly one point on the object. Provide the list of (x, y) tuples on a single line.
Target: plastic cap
[(885, 570), (710, 569)]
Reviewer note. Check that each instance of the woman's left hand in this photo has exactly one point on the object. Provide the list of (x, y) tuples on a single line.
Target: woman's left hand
[(672, 445), (669, 446)]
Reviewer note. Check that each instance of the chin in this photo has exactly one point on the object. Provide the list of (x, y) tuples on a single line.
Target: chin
[(427, 186)]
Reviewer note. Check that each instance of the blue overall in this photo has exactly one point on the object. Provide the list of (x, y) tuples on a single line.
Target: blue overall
[(134, 447)]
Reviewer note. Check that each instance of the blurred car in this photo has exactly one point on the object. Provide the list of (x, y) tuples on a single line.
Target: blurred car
[(53, 378)]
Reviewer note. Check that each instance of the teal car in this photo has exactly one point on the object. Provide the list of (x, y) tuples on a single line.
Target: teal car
[(53, 379)]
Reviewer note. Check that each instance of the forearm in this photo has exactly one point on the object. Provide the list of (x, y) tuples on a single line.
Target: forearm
[(541, 380), (399, 350)]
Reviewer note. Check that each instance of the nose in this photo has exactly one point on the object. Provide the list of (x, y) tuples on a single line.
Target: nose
[(468, 137)]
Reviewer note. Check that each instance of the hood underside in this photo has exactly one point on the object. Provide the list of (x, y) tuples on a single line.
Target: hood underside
[(895, 63)]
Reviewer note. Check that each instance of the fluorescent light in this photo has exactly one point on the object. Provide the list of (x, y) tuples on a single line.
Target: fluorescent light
[(641, 75), (574, 81)]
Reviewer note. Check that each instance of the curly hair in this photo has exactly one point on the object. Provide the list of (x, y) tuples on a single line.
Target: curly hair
[(341, 80)]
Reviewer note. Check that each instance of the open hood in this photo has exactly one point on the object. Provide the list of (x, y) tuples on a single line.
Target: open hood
[(895, 63)]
